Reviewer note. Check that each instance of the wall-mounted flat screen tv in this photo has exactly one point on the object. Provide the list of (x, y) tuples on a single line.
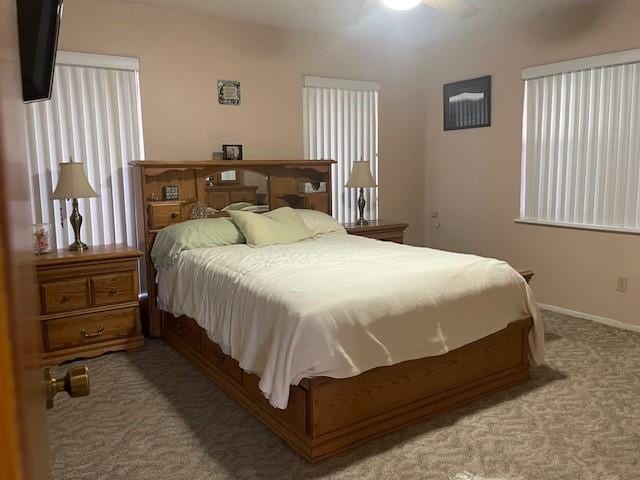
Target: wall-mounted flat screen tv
[(38, 25)]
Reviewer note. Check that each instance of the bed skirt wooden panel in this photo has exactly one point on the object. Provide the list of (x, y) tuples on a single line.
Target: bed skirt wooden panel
[(326, 416)]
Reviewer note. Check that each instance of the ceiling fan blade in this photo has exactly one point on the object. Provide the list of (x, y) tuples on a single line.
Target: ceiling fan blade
[(462, 8)]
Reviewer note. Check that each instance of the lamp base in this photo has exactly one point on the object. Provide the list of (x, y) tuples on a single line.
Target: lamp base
[(361, 204), (76, 222), (78, 246)]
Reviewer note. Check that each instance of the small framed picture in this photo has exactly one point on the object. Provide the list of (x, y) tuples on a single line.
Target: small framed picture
[(171, 192), (467, 104), (229, 92), (232, 152)]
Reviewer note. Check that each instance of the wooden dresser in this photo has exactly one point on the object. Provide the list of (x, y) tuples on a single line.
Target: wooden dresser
[(379, 229), (89, 302)]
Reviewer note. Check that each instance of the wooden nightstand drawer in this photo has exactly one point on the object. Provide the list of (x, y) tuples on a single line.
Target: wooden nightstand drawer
[(184, 328), (65, 295), (90, 328), (114, 288), (163, 214)]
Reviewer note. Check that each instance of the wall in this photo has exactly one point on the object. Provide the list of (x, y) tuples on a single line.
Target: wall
[(183, 55), (473, 176)]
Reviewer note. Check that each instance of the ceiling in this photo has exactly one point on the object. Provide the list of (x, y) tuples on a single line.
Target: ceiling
[(370, 17)]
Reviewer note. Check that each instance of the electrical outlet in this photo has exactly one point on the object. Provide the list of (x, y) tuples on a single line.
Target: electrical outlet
[(621, 284)]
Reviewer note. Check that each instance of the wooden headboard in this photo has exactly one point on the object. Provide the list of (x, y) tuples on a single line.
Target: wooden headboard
[(282, 179)]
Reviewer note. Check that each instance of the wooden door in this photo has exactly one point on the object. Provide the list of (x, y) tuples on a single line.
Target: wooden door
[(23, 434)]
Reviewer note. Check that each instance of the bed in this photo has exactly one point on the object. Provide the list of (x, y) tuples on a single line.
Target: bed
[(338, 339)]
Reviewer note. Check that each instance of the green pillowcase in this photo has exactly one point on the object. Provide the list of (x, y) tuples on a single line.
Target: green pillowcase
[(280, 226), (175, 239)]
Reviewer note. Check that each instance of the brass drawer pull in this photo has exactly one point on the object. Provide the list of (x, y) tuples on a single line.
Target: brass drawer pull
[(174, 215), (65, 298), (97, 333), (113, 291), (180, 329)]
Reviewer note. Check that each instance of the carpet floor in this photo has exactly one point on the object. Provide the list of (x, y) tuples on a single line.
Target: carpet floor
[(151, 415)]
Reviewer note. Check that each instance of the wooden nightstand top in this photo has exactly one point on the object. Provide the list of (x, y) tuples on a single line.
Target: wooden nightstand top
[(374, 226), (378, 230), (94, 253)]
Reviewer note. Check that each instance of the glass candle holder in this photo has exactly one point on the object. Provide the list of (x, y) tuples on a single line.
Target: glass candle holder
[(41, 238), (198, 211)]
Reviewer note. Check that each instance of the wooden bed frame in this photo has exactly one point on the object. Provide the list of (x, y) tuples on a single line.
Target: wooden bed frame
[(325, 415)]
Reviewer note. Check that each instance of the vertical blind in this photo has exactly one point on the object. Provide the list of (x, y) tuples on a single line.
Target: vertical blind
[(581, 145), (93, 117), (340, 119)]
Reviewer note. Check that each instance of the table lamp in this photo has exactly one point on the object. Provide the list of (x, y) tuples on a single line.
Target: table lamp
[(361, 178), (73, 184)]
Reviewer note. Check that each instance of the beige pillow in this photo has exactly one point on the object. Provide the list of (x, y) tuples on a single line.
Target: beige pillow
[(279, 226), (319, 222)]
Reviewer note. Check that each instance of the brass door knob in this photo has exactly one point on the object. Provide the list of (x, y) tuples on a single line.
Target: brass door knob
[(75, 383)]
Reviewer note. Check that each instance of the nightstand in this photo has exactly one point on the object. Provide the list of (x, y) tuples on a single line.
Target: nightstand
[(378, 229), (89, 302)]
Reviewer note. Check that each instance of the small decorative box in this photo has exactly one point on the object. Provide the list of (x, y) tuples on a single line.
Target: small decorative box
[(171, 192), (312, 187)]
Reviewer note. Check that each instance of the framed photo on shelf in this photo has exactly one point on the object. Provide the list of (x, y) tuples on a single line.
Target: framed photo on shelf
[(232, 152), (467, 104)]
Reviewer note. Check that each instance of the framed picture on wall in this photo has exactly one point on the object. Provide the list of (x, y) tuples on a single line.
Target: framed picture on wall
[(467, 104), (229, 92)]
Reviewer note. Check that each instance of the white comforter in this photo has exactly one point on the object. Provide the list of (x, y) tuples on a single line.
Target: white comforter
[(338, 305)]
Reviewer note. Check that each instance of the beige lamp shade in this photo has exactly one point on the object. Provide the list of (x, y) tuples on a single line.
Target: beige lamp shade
[(73, 183), (361, 176)]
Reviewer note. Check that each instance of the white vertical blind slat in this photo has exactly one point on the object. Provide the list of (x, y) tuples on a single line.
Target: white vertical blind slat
[(94, 116), (342, 124), (633, 186), (581, 148), (353, 153), (338, 196)]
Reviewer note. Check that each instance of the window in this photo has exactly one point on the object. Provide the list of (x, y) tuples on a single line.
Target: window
[(581, 143), (94, 117), (341, 123)]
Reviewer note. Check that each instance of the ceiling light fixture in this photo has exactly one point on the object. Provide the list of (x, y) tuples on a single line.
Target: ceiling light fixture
[(401, 4)]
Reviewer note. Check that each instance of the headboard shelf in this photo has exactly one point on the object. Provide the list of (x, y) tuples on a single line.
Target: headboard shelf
[(184, 164), (190, 176), (167, 202)]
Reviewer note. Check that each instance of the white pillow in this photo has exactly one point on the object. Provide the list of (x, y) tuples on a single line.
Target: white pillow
[(280, 226), (320, 222)]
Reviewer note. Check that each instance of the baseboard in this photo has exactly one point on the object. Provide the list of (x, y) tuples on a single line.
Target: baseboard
[(594, 318)]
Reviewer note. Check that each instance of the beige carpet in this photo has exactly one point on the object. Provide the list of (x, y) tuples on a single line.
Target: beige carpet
[(153, 416)]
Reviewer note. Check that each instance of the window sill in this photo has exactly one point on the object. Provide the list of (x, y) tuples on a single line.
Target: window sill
[(572, 226)]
